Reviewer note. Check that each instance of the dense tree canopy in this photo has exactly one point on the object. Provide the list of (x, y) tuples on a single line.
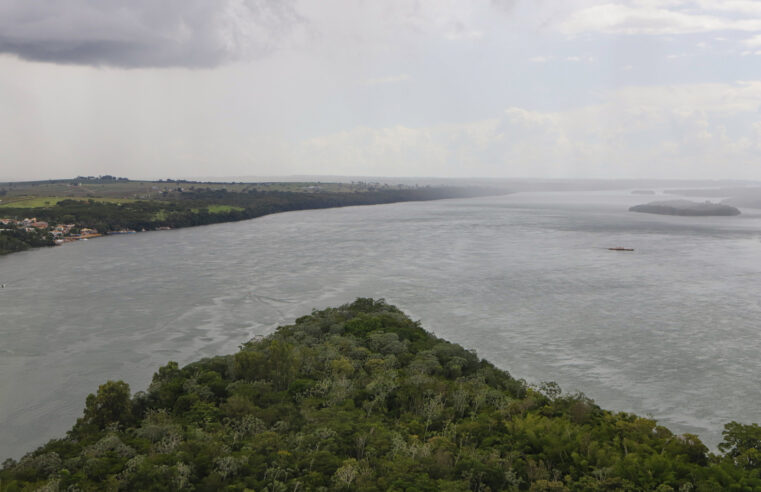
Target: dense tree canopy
[(362, 398), (13, 240)]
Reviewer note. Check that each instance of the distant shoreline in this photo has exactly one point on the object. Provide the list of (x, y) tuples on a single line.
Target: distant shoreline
[(40, 215)]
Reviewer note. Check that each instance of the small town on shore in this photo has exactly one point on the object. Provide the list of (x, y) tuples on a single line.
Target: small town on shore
[(60, 233)]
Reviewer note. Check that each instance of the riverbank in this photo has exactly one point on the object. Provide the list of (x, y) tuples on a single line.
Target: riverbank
[(37, 222)]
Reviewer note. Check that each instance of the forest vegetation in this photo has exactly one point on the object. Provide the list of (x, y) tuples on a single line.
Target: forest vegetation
[(361, 397), (13, 240)]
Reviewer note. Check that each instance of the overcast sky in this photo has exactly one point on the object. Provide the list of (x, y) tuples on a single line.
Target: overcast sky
[(503, 88)]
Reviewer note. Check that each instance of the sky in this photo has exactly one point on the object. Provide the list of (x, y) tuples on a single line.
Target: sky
[(476, 88)]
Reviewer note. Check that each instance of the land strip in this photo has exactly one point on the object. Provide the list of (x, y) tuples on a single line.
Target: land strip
[(47, 213)]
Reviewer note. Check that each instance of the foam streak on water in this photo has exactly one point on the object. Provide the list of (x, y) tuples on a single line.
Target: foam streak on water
[(670, 330)]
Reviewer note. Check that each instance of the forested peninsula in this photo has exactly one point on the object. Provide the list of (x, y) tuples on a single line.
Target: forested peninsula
[(360, 397), (53, 212), (686, 208)]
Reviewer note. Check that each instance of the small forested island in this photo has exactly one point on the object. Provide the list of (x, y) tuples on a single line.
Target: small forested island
[(643, 192), (360, 397), (47, 213), (686, 207)]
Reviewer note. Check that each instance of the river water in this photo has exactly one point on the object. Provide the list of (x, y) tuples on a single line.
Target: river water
[(670, 330)]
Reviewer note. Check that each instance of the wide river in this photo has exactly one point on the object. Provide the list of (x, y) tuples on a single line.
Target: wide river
[(671, 330)]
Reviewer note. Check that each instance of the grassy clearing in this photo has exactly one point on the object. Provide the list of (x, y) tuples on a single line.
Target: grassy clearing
[(49, 201), (160, 215), (156, 190), (216, 209), (163, 214)]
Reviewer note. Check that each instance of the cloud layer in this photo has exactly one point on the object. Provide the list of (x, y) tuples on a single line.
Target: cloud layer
[(143, 33), (664, 17), (664, 132), (580, 88)]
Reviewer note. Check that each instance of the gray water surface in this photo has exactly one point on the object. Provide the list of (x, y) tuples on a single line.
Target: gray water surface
[(670, 330)]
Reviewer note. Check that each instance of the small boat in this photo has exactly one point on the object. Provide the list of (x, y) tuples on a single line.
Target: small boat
[(619, 248)]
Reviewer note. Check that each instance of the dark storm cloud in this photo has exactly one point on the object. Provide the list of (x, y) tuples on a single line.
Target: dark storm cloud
[(143, 33)]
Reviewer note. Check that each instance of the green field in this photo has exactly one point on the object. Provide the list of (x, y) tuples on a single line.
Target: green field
[(213, 209), (49, 201), (154, 190), (216, 209)]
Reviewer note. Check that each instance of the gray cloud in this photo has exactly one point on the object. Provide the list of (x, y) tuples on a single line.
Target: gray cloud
[(144, 33), (504, 5)]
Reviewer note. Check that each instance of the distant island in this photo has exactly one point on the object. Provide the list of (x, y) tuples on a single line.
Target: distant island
[(686, 207), (643, 192), (48, 213), (361, 397)]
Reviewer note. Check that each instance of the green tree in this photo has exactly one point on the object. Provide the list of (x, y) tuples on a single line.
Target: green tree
[(111, 404), (742, 443)]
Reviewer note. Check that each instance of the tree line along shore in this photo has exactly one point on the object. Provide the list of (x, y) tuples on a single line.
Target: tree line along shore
[(48, 213), (360, 397)]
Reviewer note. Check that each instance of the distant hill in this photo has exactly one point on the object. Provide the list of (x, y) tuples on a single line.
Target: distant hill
[(685, 207), (360, 397), (746, 196)]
